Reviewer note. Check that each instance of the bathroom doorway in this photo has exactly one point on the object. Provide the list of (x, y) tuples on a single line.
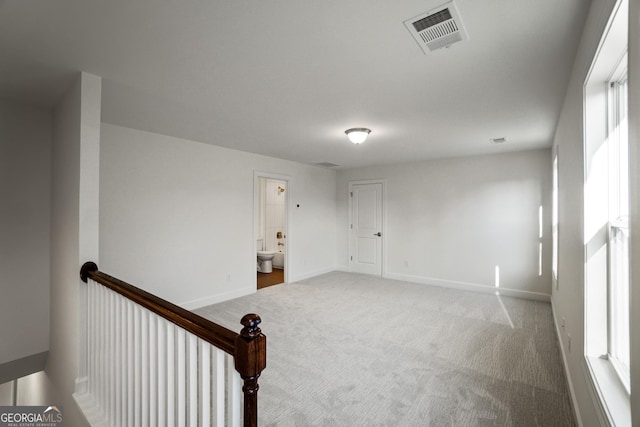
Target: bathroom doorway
[(271, 228)]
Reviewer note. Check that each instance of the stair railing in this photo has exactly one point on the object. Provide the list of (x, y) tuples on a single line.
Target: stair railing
[(152, 363)]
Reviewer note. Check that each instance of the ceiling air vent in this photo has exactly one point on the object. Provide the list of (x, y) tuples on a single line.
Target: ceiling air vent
[(437, 28), (327, 165)]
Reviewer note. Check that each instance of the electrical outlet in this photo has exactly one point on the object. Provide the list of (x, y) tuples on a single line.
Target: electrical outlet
[(228, 277), (569, 342), (562, 322), (406, 263)]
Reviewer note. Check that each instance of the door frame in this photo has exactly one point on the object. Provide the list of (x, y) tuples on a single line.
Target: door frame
[(287, 215), (383, 256)]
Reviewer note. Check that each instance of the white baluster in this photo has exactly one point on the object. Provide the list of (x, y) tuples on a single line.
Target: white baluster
[(182, 378), (171, 372), (131, 374), (162, 373), (106, 353), (124, 351), (137, 367), (145, 368), (117, 361), (205, 383), (101, 347), (218, 376), (111, 356), (192, 369), (121, 338), (82, 384), (153, 369), (91, 338), (235, 386), (96, 345)]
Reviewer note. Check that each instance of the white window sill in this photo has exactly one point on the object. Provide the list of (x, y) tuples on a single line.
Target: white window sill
[(614, 397)]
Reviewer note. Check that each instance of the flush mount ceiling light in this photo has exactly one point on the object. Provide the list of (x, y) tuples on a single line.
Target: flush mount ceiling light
[(357, 135)]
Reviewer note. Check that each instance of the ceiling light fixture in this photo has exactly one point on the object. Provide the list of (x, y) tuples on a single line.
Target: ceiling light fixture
[(357, 135)]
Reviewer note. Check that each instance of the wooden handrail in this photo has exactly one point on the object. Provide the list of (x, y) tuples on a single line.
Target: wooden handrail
[(248, 348)]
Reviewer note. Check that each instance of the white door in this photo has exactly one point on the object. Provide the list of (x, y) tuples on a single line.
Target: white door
[(366, 229)]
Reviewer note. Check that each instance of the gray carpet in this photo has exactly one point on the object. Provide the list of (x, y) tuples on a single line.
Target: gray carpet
[(346, 349)]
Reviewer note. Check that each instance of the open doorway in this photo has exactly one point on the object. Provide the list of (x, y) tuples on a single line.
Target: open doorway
[(271, 229)]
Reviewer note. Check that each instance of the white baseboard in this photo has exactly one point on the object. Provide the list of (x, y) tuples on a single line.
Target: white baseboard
[(567, 373), (536, 296), (310, 274), (214, 299)]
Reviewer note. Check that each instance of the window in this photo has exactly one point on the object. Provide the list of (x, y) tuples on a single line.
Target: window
[(606, 220), (618, 286)]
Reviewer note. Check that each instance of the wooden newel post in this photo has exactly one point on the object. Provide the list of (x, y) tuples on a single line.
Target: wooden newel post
[(250, 359)]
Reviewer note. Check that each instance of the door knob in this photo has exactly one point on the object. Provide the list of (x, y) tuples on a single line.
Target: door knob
[(378, 234)]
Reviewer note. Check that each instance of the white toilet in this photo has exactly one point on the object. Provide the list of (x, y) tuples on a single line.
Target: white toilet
[(265, 258), (265, 261)]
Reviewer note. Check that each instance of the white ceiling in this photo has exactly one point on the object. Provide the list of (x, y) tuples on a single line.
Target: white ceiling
[(286, 78)]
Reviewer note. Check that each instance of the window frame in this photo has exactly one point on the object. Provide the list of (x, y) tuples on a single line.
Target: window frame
[(618, 225), (555, 217)]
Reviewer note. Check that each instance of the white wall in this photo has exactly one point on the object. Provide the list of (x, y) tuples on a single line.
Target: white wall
[(62, 364), (451, 221), (25, 169), (25, 172), (76, 122), (177, 216)]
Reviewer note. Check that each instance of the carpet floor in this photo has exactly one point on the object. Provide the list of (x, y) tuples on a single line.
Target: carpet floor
[(346, 349)]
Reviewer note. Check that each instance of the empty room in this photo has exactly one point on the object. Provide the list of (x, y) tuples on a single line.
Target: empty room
[(321, 213)]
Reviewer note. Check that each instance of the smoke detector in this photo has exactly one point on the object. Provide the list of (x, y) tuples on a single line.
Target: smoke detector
[(440, 27)]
